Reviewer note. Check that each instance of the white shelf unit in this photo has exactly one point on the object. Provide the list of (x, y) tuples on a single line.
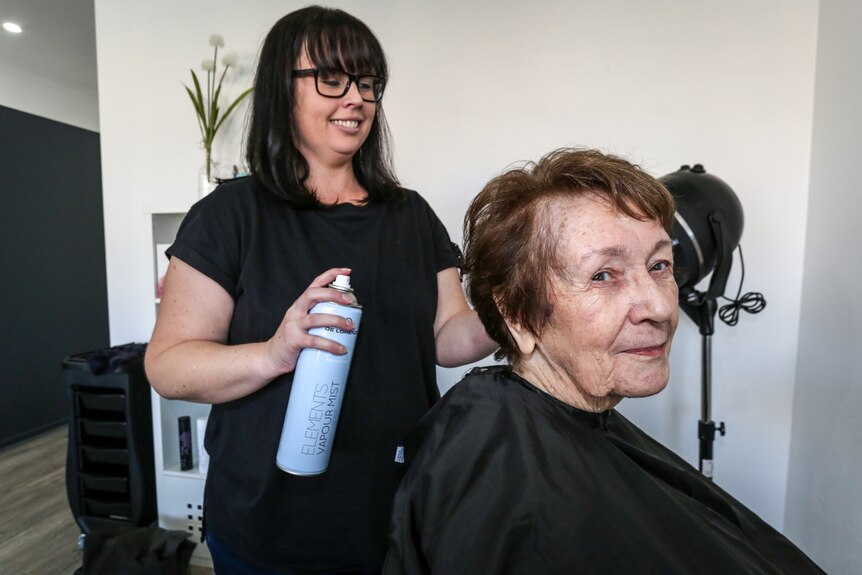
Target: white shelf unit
[(179, 493)]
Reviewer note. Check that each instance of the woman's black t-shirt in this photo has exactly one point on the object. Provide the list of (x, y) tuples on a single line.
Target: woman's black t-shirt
[(265, 253)]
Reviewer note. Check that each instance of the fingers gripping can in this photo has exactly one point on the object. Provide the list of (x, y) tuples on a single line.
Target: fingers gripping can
[(317, 393)]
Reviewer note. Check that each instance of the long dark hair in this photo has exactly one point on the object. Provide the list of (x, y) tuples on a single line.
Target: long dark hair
[(333, 39)]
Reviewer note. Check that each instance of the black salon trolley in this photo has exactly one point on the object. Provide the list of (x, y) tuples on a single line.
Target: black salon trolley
[(110, 478)]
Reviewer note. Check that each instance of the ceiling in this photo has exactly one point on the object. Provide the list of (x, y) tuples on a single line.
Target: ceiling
[(58, 41)]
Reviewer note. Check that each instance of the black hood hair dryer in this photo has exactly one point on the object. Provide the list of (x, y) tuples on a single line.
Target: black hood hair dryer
[(707, 228)]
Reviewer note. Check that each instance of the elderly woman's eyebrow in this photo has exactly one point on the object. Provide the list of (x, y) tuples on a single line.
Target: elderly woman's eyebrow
[(609, 251), (660, 245), (621, 250)]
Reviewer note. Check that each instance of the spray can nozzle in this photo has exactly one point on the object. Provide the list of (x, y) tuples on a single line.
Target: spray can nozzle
[(341, 282)]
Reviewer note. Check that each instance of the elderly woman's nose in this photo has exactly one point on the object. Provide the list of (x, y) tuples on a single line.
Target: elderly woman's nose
[(653, 300)]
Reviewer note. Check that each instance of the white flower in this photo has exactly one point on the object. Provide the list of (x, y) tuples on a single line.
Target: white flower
[(204, 96), (229, 59)]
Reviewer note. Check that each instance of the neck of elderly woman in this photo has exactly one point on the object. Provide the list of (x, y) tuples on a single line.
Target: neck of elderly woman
[(558, 383)]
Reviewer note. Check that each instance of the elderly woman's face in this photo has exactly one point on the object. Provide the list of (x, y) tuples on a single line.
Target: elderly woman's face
[(615, 308)]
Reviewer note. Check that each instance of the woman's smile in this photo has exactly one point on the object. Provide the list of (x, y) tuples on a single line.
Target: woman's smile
[(652, 351), (348, 124)]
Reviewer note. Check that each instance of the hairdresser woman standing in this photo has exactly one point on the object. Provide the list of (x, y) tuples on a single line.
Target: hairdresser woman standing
[(254, 256)]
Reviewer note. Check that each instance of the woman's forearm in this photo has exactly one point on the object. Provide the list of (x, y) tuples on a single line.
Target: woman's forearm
[(188, 356), (209, 372), (462, 340)]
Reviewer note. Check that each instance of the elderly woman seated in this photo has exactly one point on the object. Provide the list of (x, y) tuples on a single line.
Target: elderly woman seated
[(528, 468)]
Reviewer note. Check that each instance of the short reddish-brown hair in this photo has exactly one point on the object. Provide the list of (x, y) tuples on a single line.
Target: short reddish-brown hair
[(510, 244)]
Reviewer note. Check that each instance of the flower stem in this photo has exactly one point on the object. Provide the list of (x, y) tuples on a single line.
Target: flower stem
[(209, 163), (212, 93)]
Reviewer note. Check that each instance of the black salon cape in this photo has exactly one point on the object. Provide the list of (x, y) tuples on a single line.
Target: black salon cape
[(509, 480)]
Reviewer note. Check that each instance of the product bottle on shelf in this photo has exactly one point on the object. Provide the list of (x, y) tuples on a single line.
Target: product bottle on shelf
[(185, 436)]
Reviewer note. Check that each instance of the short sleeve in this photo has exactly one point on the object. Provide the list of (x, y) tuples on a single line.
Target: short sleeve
[(210, 237), (446, 253)]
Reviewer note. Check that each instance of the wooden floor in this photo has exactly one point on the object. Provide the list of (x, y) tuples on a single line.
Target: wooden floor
[(38, 534)]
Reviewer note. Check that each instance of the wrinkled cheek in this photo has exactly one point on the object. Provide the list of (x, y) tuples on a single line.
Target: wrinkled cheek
[(598, 374)]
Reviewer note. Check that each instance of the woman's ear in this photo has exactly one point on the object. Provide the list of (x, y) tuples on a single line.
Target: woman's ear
[(524, 338)]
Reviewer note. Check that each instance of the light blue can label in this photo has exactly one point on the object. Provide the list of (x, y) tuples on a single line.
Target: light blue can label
[(316, 398)]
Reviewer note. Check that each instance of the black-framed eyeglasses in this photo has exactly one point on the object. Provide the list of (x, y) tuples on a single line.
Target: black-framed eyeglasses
[(335, 83)]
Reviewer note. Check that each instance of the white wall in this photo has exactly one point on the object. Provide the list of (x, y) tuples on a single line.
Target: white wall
[(49, 70), (825, 465), (36, 94), (478, 85)]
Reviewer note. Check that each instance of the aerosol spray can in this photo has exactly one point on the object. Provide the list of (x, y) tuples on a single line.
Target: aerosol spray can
[(318, 390)]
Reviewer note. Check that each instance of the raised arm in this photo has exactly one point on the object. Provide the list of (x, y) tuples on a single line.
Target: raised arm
[(188, 356), (459, 334)]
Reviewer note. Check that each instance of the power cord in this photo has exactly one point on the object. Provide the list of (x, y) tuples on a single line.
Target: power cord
[(752, 302)]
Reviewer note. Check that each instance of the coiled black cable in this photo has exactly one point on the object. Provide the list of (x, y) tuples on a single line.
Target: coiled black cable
[(752, 302)]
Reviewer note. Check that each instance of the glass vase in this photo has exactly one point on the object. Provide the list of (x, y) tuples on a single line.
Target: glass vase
[(207, 183)]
